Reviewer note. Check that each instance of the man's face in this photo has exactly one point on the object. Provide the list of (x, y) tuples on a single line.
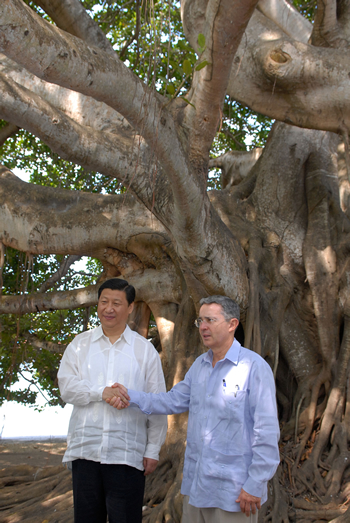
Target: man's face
[(219, 333), (113, 310)]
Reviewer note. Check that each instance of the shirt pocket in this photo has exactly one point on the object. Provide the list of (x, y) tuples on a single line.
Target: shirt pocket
[(229, 435), (234, 405)]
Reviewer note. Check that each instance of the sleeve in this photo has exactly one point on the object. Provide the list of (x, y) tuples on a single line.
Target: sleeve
[(175, 401), (263, 409), (74, 388), (156, 425)]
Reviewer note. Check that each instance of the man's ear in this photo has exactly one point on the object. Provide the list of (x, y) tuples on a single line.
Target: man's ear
[(233, 324), (131, 307)]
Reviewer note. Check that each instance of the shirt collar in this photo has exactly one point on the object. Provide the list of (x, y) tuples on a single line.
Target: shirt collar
[(232, 354), (127, 334)]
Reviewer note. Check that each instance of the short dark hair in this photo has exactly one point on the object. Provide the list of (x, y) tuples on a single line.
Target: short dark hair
[(230, 308), (117, 284)]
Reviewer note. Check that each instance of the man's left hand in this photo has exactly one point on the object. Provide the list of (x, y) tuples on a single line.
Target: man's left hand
[(149, 465), (248, 503)]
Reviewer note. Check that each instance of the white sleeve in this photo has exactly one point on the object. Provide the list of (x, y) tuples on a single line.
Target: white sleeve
[(157, 425), (74, 388)]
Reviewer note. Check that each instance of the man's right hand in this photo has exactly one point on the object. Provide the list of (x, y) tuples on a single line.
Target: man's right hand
[(109, 393), (116, 396)]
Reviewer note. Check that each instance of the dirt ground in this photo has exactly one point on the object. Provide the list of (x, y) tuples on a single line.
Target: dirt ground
[(34, 485), (35, 453)]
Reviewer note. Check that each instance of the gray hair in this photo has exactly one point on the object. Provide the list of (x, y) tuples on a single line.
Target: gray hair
[(230, 309)]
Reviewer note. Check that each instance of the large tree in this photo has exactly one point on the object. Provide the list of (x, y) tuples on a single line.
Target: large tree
[(274, 235)]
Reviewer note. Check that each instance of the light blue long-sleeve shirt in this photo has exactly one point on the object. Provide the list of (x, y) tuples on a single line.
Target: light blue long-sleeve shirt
[(233, 431)]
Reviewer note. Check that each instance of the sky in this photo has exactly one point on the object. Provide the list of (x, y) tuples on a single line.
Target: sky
[(19, 421)]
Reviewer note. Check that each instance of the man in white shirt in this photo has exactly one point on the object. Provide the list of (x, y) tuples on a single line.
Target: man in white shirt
[(111, 451)]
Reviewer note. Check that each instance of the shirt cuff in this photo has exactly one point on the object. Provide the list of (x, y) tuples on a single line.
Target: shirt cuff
[(254, 488), (152, 451), (96, 393), (135, 398)]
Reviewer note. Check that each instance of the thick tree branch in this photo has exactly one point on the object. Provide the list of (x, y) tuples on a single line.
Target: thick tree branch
[(225, 23), (282, 78), (45, 220), (81, 134), (293, 82), (71, 16), (127, 158), (149, 286), (69, 62), (124, 157), (287, 18), (325, 22), (84, 110), (65, 60), (8, 130), (235, 165), (332, 24), (31, 303)]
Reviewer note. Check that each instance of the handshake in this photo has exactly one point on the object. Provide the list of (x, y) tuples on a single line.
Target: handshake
[(116, 396)]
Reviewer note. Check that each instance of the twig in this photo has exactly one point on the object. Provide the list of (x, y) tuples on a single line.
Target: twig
[(308, 486)]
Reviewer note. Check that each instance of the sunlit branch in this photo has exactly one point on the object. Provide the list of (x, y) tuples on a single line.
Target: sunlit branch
[(71, 16)]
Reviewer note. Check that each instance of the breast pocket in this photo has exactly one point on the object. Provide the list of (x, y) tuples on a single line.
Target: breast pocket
[(229, 434), (235, 405)]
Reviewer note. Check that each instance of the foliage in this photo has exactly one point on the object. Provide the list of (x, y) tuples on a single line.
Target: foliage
[(16, 354), (44, 167), (306, 8)]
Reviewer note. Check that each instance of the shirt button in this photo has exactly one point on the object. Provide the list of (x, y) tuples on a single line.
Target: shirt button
[(208, 395)]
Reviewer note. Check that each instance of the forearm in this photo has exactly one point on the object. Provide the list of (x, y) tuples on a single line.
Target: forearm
[(156, 434), (172, 402), (78, 392), (264, 462)]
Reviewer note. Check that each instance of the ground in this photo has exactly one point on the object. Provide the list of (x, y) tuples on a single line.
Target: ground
[(35, 453), (35, 487)]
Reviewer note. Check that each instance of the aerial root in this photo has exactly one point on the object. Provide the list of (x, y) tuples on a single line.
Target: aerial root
[(32, 494), (170, 509), (278, 512)]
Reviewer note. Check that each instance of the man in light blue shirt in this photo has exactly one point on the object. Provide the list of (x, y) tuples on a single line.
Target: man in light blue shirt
[(232, 436)]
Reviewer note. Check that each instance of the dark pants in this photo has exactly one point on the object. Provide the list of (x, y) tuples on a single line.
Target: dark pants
[(100, 490)]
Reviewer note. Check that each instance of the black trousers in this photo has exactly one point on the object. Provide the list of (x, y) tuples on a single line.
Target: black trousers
[(100, 490)]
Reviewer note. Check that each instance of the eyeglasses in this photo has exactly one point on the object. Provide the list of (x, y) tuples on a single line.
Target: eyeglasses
[(209, 321)]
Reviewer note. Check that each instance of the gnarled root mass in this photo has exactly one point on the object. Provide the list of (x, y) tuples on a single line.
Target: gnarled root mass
[(31, 495)]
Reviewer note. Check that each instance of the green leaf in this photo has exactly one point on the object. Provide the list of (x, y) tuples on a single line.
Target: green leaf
[(201, 65), (170, 88), (187, 101), (201, 40), (187, 67)]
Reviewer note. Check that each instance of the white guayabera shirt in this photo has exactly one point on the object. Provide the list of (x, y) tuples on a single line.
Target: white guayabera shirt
[(97, 431)]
